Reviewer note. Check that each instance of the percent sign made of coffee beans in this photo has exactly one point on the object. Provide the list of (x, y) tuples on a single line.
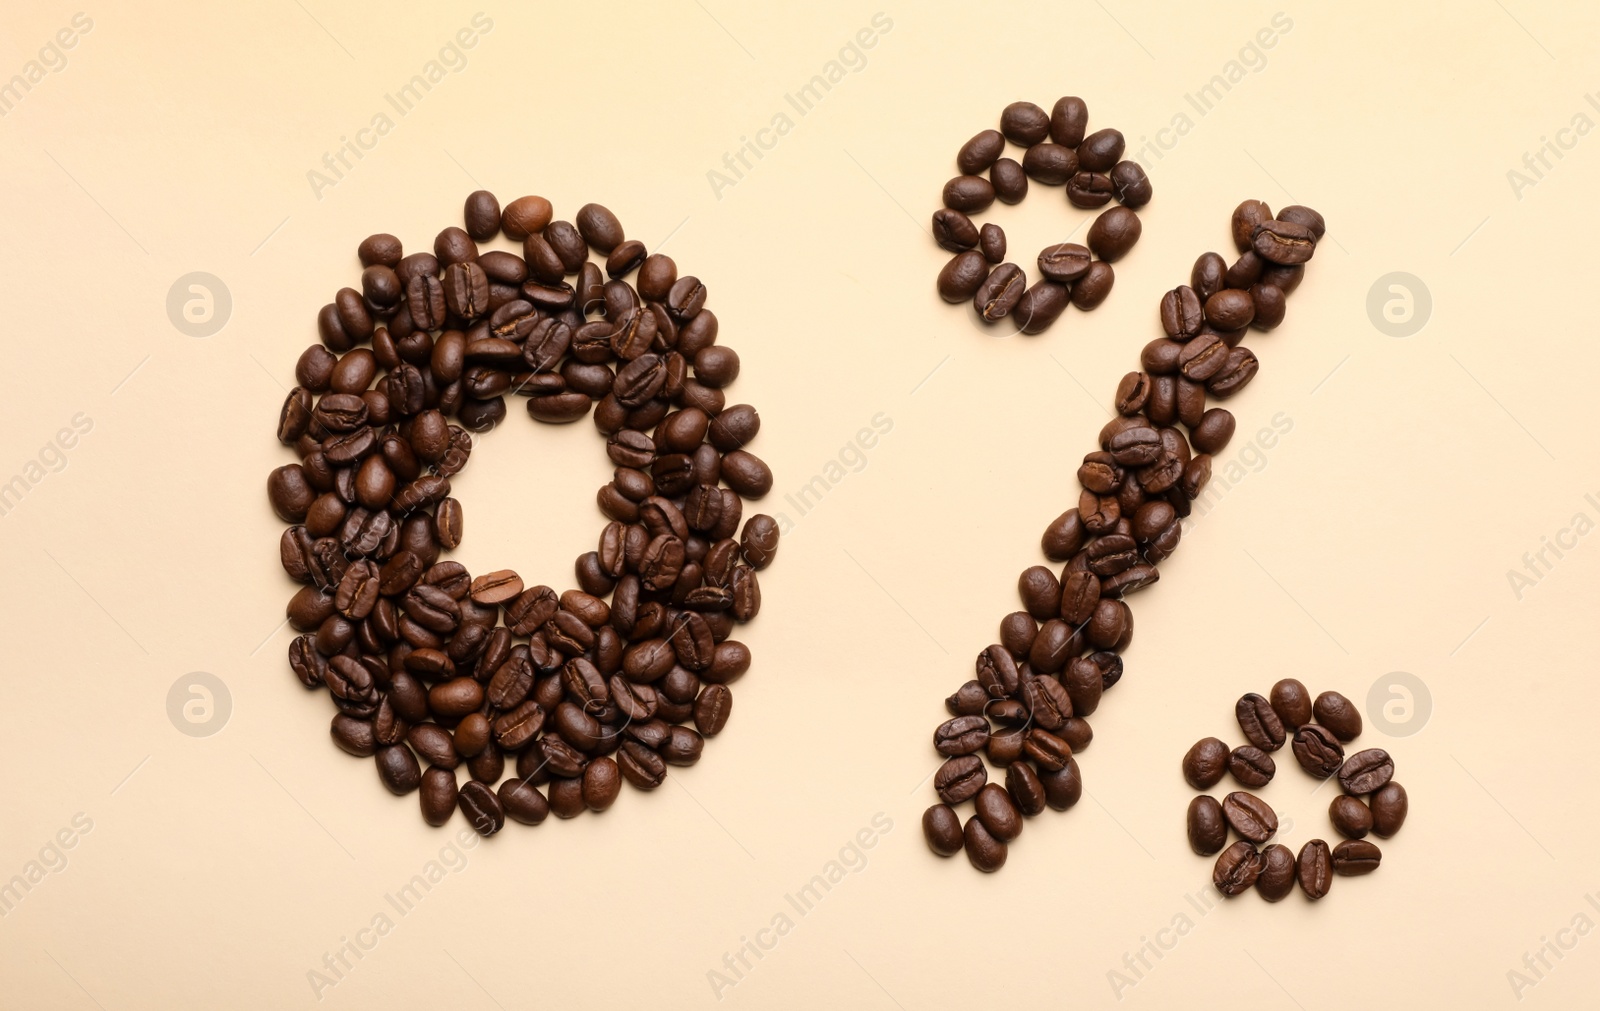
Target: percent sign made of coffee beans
[(430, 668), (1025, 709)]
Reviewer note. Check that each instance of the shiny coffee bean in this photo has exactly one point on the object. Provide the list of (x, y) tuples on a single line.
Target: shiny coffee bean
[(941, 827), (1207, 829), (1236, 869), (1277, 876), (1260, 722), (1366, 771), (1389, 807), (1314, 869), (1114, 233), (1292, 703), (1355, 857), (984, 851), (1205, 763), (1318, 751), (1250, 816), (1251, 766), (1351, 818), (1338, 714)]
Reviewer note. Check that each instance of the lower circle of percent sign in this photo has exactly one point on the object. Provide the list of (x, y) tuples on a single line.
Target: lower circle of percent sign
[(432, 669), (1026, 708)]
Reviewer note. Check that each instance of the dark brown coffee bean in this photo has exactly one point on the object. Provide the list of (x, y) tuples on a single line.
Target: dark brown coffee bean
[(481, 807), (1010, 181), (1355, 857), (954, 231), (960, 778), (1211, 433), (960, 278), (1102, 149), (1000, 292), (1260, 722), (979, 153), (1132, 185), (1205, 763), (1114, 233), (1314, 869), (1283, 242), (970, 194), (998, 812), (1366, 771), (398, 769), (1068, 119), (1389, 809), (1051, 164), (1048, 751), (1277, 876), (1292, 703), (992, 242), (1024, 123), (961, 735), (1246, 217), (1207, 829), (1230, 309), (941, 827), (1250, 816), (1094, 286), (1062, 787), (1251, 766), (1304, 216), (1025, 788), (984, 851), (1338, 714), (1350, 817), (1202, 357), (1065, 262), (1236, 869), (1088, 190), (1318, 750), (482, 215)]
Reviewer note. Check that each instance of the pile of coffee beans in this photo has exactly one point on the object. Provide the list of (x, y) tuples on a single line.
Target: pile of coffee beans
[(1316, 732), (431, 668), (1026, 708), (1057, 153)]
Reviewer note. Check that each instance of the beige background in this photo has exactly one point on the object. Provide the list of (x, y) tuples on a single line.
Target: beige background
[(1374, 537)]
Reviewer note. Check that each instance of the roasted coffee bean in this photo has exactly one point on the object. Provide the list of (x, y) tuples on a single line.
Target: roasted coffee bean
[(481, 807), (1389, 809), (960, 778), (984, 851), (523, 802), (1292, 703), (1366, 771), (997, 672), (1260, 722), (970, 194), (1062, 787), (962, 276), (1205, 763), (1338, 714), (954, 231), (961, 735), (992, 242), (1251, 766), (1246, 217), (1040, 592), (1094, 286), (398, 769), (1132, 185), (1051, 164), (1283, 242), (1114, 233), (1000, 292), (1250, 816), (998, 812), (438, 796), (1211, 433), (1318, 751), (1230, 309), (979, 153), (1009, 181), (941, 827), (1024, 123), (1314, 869), (1047, 750), (1271, 305), (1236, 869), (1025, 788), (1208, 830), (1355, 857), (1102, 149), (1088, 190), (1065, 262), (1350, 817), (1277, 876)]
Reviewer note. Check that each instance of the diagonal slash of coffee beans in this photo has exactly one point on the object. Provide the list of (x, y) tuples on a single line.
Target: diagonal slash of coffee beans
[(1057, 153), (432, 669), (1027, 708)]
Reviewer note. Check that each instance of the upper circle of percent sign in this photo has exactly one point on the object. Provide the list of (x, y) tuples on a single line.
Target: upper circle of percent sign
[(1025, 709), (448, 680)]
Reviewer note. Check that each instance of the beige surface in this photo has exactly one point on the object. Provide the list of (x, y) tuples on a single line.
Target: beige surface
[(1375, 536)]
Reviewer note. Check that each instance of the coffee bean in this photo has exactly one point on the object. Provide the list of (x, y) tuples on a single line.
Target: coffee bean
[(960, 778), (1051, 164), (1068, 119), (1250, 816), (1350, 817), (1113, 233), (1314, 869), (961, 735), (1000, 292), (1366, 771), (1292, 703), (1277, 876), (953, 230), (1260, 723), (482, 215), (398, 769), (998, 812), (1251, 766), (1304, 216), (1182, 313), (1389, 808), (1102, 149), (1094, 286), (1208, 831), (1088, 190), (1065, 262), (1236, 869), (1009, 181), (1230, 309), (992, 242), (438, 795), (1355, 857), (1205, 763), (962, 276), (980, 152), (1246, 217), (1025, 788), (1041, 305), (1024, 123), (1338, 714), (1062, 787), (941, 826), (1210, 434), (1318, 750), (1132, 185), (984, 851), (1283, 242), (970, 193)]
